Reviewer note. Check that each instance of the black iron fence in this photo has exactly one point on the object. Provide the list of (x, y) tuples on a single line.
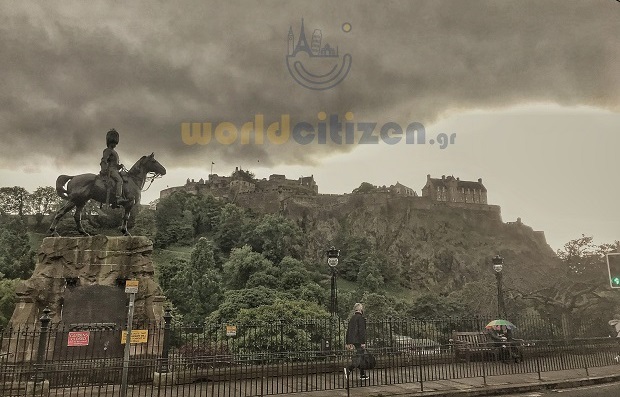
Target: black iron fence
[(274, 358)]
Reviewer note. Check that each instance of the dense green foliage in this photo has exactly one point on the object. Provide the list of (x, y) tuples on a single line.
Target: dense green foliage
[(240, 260), (17, 201), (16, 257), (7, 299), (16, 262)]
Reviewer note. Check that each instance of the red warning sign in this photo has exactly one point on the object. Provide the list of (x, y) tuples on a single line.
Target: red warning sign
[(78, 338)]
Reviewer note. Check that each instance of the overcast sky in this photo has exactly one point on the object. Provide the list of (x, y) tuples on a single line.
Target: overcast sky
[(530, 90)]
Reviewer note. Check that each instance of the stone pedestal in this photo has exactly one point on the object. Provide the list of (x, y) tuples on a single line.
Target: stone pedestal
[(82, 281)]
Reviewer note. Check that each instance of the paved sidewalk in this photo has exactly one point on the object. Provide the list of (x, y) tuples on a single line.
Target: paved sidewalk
[(495, 385)]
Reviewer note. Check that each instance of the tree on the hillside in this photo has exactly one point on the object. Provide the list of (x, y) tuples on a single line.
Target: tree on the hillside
[(170, 208), (230, 228), (577, 284), (390, 269), (353, 252), (241, 264), (172, 222), (313, 292), (478, 297), (194, 287), (144, 224), (287, 328), (14, 200), (379, 305), (369, 277), (431, 305), (16, 257), (178, 231), (266, 278), (365, 187), (7, 300), (165, 273), (275, 237), (182, 216), (235, 300), (44, 201), (206, 212)]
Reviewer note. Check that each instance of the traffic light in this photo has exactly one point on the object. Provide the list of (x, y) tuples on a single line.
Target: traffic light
[(613, 264)]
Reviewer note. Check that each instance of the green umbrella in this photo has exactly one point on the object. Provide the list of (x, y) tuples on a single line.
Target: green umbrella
[(496, 323)]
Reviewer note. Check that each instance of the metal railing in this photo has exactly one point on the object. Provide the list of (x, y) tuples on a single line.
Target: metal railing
[(270, 358)]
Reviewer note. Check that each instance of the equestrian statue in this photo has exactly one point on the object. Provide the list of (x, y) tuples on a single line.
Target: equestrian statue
[(127, 185)]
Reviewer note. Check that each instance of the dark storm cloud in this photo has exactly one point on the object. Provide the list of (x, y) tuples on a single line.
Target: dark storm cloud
[(70, 71)]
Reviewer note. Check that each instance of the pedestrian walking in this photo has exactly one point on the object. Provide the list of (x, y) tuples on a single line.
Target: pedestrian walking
[(356, 339)]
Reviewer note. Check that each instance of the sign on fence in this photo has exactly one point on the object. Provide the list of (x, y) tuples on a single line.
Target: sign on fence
[(137, 336), (231, 330), (78, 338)]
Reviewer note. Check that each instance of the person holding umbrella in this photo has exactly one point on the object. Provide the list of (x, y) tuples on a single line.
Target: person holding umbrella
[(500, 333)]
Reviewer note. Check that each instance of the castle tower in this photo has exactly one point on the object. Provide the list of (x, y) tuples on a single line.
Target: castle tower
[(302, 43), (316, 41)]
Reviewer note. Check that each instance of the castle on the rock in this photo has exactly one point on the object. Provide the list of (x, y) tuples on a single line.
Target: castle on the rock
[(445, 189), (294, 197), (243, 182)]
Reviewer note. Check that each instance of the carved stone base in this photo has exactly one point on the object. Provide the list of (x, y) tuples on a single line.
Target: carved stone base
[(82, 281)]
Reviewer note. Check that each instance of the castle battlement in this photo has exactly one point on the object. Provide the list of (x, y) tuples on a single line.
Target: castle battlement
[(278, 190), (242, 182)]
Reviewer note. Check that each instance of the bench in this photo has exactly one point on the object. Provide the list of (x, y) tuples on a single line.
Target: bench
[(464, 344)]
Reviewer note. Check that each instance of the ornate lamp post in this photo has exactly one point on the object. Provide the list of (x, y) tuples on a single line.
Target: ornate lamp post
[(332, 261), (498, 265)]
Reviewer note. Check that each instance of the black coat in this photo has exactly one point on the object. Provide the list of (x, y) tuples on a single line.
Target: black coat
[(496, 338), (356, 332)]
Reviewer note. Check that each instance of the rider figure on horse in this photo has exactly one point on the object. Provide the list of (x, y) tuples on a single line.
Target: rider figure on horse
[(110, 164)]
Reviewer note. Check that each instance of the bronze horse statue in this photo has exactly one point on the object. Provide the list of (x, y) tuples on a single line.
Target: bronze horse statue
[(83, 187)]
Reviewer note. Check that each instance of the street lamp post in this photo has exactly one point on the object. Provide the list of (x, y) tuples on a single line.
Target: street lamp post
[(498, 265), (332, 261)]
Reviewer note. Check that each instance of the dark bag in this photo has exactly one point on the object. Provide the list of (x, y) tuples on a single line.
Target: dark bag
[(366, 360)]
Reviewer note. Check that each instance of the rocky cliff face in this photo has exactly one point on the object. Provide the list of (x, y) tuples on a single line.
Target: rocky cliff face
[(429, 245)]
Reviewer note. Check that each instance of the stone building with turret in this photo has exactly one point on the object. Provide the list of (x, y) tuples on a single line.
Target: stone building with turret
[(453, 190)]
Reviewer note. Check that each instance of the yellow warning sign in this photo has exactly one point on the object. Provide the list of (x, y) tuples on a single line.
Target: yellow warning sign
[(131, 286), (137, 336)]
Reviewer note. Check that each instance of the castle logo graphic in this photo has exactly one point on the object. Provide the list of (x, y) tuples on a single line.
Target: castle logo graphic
[(316, 66)]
